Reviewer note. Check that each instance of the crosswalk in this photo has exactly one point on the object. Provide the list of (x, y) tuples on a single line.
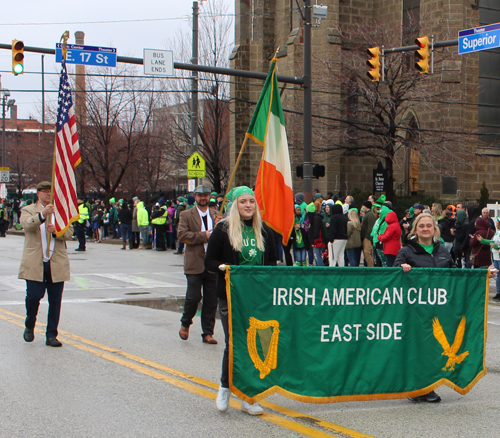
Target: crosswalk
[(96, 282)]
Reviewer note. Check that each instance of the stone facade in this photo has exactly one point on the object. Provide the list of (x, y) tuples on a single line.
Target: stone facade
[(263, 26)]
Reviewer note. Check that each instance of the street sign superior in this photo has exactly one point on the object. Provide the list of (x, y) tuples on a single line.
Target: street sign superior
[(479, 38)]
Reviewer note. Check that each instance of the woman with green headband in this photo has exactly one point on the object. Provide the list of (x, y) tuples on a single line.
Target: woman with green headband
[(239, 239)]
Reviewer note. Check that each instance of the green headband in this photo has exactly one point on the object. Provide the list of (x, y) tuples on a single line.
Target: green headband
[(240, 191)]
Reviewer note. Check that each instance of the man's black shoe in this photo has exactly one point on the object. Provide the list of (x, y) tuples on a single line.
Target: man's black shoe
[(29, 335), (53, 342), (80, 249), (496, 298)]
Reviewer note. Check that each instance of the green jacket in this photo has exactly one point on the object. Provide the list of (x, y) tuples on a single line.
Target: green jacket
[(380, 224), (142, 215), (180, 208)]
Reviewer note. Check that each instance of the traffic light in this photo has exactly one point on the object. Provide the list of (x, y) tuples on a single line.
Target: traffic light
[(422, 65), (299, 170), (318, 171), (17, 57), (374, 64)]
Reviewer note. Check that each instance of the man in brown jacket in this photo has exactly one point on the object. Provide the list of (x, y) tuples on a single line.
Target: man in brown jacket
[(195, 227), (42, 269)]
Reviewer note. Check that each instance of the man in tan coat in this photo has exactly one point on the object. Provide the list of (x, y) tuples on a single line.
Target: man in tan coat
[(45, 264), (195, 227)]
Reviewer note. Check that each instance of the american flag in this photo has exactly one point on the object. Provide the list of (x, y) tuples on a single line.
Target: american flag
[(67, 157)]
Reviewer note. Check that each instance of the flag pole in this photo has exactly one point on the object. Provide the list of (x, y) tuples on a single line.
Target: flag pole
[(233, 174), (241, 153), (64, 39)]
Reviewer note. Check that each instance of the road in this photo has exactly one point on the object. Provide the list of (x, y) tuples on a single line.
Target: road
[(123, 371)]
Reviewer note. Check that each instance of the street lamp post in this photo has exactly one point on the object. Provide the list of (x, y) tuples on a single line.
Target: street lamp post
[(5, 95), (5, 105)]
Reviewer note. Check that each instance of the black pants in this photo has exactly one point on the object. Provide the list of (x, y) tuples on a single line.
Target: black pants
[(195, 283), (134, 243), (80, 234), (35, 290), (224, 315), (160, 237)]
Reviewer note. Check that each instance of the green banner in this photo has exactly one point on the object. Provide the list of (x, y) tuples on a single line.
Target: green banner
[(323, 335)]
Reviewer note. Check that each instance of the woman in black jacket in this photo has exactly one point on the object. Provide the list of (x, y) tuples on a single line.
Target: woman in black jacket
[(125, 218), (239, 239), (424, 250), (337, 235)]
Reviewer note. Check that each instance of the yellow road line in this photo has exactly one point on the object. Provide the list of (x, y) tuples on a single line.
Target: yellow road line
[(70, 339)]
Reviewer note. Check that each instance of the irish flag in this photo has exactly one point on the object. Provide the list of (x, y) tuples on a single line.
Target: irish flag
[(273, 189)]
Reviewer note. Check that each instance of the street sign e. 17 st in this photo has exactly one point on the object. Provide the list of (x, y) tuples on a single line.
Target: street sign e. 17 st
[(479, 38), (87, 55), (158, 62)]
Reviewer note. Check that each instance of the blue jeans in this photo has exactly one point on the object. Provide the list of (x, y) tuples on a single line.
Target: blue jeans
[(300, 255), (496, 263), (116, 231), (318, 256), (390, 259), (126, 232), (354, 255)]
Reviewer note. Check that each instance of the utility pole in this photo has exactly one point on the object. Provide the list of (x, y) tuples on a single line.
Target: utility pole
[(43, 96), (307, 132), (194, 83), (5, 95)]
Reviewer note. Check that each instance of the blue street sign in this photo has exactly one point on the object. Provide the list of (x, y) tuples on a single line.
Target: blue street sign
[(479, 38), (87, 55)]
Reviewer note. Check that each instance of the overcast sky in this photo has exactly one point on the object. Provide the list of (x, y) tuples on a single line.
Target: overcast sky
[(129, 26)]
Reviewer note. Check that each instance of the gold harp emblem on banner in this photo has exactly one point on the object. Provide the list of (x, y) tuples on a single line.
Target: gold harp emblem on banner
[(268, 334), (451, 352)]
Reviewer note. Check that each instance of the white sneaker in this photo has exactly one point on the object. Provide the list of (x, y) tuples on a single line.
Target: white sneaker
[(222, 400), (254, 409)]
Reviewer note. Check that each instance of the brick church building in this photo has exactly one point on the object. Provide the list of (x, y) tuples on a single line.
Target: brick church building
[(445, 141)]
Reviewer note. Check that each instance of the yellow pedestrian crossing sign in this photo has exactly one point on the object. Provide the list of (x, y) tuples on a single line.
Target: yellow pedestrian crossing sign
[(196, 166)]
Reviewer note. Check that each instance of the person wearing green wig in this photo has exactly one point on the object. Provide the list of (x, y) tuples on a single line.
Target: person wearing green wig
[(239, 239)]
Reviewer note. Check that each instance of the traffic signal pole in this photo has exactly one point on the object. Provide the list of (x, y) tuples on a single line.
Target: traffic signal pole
[(307, 122), (182, 66), (436, 45), (194, 83)]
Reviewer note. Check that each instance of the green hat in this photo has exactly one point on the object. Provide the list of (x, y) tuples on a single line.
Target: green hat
[(380, 201), (311, 208), (182, 199), (112, 201), (44, 185), (355, 209), (215, 194), (318, 195)]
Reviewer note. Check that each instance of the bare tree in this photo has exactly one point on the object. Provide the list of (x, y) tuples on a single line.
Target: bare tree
[(213, 121), (119, 108), (377, 119)]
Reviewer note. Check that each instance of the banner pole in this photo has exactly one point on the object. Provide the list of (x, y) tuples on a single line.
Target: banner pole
[(233, 174)]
